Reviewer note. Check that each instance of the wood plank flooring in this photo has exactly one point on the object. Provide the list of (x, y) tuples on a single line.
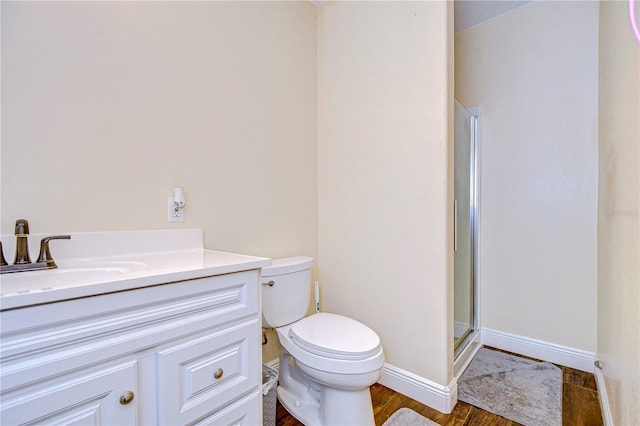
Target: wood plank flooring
[(580, 405)]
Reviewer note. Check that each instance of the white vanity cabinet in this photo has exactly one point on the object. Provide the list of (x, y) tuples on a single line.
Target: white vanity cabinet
[(179, 353)]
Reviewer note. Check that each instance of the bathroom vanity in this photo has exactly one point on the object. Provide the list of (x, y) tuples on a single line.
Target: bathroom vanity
[(160, 331)]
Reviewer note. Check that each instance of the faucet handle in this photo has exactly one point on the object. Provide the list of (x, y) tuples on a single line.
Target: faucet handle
[(45, 254), (22, 227), (3, 262)]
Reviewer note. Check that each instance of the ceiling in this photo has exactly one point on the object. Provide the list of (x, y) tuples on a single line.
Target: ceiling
[(468, 13)]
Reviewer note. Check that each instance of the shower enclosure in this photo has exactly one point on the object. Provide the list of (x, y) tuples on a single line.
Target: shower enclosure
[(465, 226)]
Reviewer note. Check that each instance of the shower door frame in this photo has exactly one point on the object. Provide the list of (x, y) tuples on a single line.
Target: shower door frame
[(469, 343)]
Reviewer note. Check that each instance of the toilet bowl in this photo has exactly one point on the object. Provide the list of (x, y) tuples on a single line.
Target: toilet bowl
[(327, 361)]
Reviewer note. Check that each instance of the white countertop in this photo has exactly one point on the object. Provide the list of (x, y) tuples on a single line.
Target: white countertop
[(119, 261)]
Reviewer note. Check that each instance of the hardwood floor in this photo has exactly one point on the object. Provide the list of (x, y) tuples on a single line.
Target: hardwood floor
[(580, 406)]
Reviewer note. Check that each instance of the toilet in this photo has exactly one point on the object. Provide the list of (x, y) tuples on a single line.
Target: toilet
[(327, 361)]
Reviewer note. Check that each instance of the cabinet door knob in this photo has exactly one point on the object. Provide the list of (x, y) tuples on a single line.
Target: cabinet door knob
[(219, 372), (126, 397)]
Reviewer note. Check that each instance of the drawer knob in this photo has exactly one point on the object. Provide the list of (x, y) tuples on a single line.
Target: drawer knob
[(126, 398), (219, 372)]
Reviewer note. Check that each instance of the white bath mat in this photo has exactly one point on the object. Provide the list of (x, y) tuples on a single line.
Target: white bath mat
[(408, 417), (528, 392)]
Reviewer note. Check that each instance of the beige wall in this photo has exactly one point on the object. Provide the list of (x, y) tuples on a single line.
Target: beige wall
[(383, 172), (534, 71), (107, 106), (618, 213)]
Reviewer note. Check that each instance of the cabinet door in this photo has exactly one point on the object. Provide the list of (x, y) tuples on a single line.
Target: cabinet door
[(90, 397)]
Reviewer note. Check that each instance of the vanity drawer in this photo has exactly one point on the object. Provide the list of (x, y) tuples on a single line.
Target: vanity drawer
[(245, 412), (199, 375)]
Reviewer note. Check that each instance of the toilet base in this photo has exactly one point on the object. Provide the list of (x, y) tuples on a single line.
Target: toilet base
[(307, 412), (332, 407), (347, 408)]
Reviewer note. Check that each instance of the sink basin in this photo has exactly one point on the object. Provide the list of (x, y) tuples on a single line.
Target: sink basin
[(68, 274)]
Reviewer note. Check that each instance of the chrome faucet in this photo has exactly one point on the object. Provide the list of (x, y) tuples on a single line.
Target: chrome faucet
[(22, 260)]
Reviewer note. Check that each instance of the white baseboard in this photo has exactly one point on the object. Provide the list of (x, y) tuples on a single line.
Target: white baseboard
[(604, 400), (550, 352), (441, 398)]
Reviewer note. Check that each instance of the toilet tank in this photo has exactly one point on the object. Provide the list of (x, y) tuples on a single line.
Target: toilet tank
[(287, 300)]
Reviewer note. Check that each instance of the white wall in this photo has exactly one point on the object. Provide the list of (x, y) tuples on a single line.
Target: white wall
[(618, 213), (114, 104), (106, 106), (534, 71), (384, 112)]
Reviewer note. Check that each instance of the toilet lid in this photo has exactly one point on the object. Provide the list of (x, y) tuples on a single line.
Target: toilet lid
[(335, 336)]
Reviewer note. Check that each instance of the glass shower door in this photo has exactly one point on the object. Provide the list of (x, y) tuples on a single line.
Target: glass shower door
[(464, 225)]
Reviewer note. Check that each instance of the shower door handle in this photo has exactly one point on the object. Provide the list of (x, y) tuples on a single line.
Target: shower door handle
[(455, 225)]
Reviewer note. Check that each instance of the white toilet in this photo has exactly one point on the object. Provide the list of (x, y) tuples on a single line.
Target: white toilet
[(327, 361)]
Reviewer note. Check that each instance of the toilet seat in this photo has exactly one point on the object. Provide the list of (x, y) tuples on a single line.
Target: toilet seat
[(335, 337)]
